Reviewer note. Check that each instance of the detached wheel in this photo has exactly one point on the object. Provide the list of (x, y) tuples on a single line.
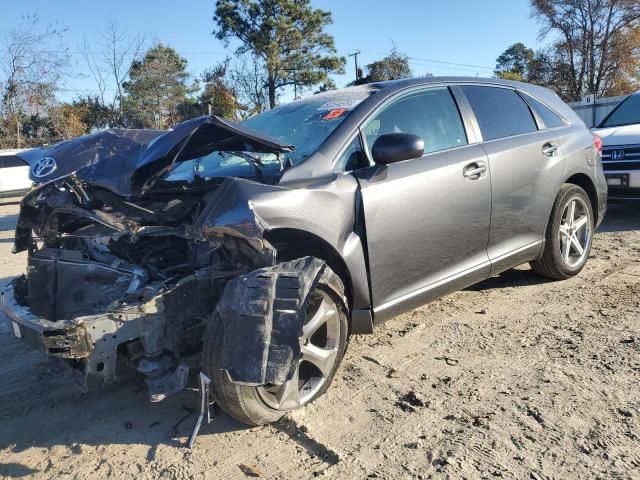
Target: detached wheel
[(569, 235), (323, 343)]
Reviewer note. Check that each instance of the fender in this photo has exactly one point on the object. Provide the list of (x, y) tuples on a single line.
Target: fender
[(323, 207)]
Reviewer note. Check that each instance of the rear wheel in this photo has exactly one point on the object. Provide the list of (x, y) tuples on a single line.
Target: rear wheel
[(322, 344), (569, 235)]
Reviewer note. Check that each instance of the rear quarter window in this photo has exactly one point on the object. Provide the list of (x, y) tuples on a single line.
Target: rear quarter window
[(550, 118), (500, 112)]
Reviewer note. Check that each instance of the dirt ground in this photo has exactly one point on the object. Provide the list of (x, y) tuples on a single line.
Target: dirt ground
[(516, 377)]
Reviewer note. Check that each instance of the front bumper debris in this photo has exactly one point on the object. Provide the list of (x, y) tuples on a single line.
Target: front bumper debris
[(88, 344), (62, 338)]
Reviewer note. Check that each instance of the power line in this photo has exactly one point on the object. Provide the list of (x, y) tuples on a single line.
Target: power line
[(432, 60)]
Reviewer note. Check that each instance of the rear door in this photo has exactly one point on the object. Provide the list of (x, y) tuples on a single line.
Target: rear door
[(427, 219), (526, 164)]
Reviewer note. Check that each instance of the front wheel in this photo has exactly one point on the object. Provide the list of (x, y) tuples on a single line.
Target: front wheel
[(322, 344), (569, 235)]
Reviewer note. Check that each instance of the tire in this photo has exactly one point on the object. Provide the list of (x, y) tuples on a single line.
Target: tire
[(555, 262), (258, 405)]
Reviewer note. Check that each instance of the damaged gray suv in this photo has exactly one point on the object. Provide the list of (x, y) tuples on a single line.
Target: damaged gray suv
[(253, 251)]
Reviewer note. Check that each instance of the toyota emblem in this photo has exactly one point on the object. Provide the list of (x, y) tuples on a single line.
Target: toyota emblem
[(43, 167)]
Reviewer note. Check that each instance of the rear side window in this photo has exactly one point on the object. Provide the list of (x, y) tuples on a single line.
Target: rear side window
[(550, 118), (500, 111), (431, 114)]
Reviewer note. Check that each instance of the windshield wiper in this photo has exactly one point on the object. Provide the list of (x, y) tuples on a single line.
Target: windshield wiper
[(255, 162)]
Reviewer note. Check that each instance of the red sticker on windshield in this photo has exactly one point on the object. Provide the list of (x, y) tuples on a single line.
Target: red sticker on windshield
[(333, 114)]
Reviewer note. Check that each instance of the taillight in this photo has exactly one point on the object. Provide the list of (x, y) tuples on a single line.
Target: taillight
[(597, 142)]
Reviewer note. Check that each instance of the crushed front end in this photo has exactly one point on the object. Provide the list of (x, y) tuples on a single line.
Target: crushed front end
[(114, 282)]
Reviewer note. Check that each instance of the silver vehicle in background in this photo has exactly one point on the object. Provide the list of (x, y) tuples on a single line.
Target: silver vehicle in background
[(620, 133), (252, 251)]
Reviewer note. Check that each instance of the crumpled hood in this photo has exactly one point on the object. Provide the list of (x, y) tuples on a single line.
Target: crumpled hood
[(122, 160), (624, 135)]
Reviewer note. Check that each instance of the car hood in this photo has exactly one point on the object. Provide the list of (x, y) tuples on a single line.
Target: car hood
[(623, 135), (126, 160)]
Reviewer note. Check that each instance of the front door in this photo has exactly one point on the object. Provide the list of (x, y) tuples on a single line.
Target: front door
[(427, 219)]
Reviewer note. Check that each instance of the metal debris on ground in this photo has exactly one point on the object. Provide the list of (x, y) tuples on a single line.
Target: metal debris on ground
[(205, 405)]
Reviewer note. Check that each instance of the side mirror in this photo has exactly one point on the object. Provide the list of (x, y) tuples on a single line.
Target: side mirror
[(395, 147)]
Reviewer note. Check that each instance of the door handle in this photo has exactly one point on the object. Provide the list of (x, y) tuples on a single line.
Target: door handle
[(474, 170), (550, 149)]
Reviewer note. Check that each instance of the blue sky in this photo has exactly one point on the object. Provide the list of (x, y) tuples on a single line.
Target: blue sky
[(467, 34)]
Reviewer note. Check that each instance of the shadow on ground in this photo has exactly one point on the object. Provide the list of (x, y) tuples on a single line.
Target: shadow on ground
[(510, 279), (15, 470), (621, 218)]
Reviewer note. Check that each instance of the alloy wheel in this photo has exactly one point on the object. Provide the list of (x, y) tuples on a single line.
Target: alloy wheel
[(575, 232), (319, 345)]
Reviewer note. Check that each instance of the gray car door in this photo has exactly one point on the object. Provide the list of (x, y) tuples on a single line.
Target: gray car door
[(427, 219), (526, 166)]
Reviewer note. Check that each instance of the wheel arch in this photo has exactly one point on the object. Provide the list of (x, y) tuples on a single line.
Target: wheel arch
[(582, 180), (291, 243)]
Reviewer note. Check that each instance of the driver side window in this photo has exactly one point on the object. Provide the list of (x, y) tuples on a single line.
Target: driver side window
[(431, 114)]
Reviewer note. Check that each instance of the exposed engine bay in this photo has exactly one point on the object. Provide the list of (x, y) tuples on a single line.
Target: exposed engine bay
[(112, 280)]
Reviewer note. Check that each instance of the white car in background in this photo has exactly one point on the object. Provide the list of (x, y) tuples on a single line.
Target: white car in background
[(620, 134), (14, 176)]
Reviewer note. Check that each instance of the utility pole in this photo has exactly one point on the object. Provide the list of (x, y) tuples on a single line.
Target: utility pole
[(18, 130), (355, 58)]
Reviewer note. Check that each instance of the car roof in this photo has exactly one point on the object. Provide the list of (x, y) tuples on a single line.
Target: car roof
[(389, 87), (410, 82)]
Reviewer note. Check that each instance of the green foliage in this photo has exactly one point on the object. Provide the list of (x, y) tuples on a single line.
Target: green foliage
[(394, 66), (157, 86), (218, 95), (513, 63), (286, 35)]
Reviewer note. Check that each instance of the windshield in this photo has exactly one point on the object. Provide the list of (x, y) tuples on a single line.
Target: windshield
[(303, 123), (627, 113)]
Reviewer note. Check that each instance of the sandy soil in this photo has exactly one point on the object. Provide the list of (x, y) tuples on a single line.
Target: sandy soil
[(515, 378)]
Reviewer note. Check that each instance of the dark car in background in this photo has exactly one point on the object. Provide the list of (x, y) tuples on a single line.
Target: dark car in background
[(253, 251)]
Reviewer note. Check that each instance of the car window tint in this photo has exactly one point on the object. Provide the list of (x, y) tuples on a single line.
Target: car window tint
[(550, 118), (627, 113), (353, 157), (431, 114), (500, 111)]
